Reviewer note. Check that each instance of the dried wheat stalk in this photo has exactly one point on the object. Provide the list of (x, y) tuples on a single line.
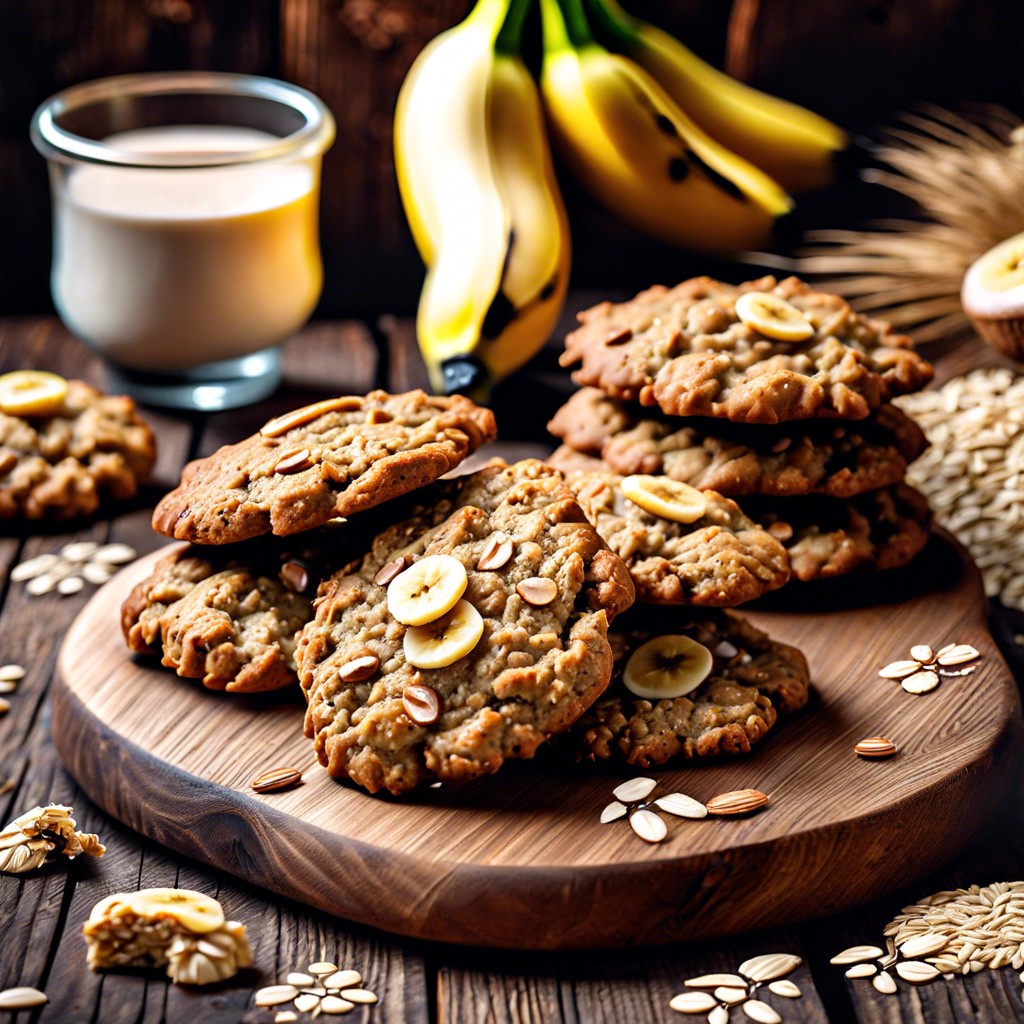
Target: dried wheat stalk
[(967, 178)]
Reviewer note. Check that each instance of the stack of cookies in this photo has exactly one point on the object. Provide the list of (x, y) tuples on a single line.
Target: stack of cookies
[(458, 623), (767, 393), (770, 393), (225, 608), (690, 679)]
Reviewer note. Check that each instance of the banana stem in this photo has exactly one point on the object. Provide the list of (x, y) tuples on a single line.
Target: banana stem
[(510, 35), (609, 17), (565, 25), (492, 14)]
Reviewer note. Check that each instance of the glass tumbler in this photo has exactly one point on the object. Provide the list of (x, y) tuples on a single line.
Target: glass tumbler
[(185, 228)]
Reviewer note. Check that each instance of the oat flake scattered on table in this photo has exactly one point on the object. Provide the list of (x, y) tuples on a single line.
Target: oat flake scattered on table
[(717, 994), (957, 931), (67, 571), (323, 988)]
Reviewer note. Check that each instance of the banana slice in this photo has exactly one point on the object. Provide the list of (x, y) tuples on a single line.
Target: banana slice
[(31, 392), (193, 910), (445, 640), (667, 666), (664, 497), (773, 317), (427, 589), (1001, 269)]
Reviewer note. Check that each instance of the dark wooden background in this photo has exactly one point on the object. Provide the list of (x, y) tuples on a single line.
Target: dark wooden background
[(854, 60)]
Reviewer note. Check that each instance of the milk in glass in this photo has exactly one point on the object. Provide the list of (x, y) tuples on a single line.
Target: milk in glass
[(164, 269)]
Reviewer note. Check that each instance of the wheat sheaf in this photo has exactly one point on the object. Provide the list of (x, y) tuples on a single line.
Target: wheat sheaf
[(966, 175)]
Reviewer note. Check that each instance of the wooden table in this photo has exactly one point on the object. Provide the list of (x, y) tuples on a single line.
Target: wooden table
[(41, 913)]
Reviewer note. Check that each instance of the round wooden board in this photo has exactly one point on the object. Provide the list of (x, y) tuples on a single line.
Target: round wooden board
[(520, 859)]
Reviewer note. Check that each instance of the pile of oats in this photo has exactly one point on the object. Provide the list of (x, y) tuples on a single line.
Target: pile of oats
[(973, 473), (921, 672), (631, 798), (957, 931)]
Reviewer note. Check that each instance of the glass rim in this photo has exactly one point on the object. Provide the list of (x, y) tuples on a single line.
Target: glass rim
[(56, 143)]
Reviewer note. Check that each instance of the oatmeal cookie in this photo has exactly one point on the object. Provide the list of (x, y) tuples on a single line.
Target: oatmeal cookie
[(721, 559), (686, 350), (229, 615), (334, 458), (568, 460), (65, 463), (752, 678), (804, 457), (826, 537), (527, 637)]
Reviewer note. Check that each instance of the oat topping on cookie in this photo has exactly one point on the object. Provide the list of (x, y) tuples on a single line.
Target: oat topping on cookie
[(690, 351), (335, 458), (480, 680)]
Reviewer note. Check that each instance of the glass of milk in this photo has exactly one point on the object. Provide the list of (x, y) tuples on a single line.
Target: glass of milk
[(185, 239)]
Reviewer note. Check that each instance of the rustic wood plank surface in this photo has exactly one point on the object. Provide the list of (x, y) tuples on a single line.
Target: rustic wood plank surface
[(40, 914)]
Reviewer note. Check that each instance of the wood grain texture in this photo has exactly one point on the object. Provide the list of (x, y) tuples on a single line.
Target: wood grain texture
[(520, 860), (609, 988), (938, 50)]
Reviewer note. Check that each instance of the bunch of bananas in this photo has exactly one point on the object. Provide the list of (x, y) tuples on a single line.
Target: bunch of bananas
[(479, 189)]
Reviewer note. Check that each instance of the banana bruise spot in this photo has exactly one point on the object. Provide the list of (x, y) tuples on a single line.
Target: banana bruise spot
[(678, 169), (666, 125), (499, 315), (679, 166), (463, 375), (501, 311), (730, 188)]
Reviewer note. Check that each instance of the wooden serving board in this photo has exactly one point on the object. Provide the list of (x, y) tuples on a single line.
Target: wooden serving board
[(520, 859)]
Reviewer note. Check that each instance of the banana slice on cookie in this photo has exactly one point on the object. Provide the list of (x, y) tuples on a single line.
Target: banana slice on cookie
[(773, 317), (32, 393), (427, 590), (664, 497), (445, 640), (668, 666), (193, 910)]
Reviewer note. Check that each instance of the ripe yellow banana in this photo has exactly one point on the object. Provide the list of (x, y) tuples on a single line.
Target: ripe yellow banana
[(483, 205), (633, 147), (795, 146)]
